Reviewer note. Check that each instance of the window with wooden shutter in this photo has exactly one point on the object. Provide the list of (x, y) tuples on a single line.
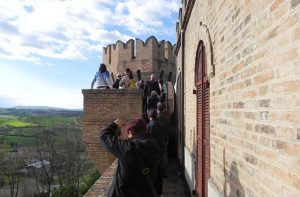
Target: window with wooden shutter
[(203, 125)]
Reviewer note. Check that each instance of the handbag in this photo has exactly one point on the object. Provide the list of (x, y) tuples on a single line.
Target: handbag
[(145, 171)]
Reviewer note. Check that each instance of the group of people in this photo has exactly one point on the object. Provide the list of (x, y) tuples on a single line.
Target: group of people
[(154, 90), (141, 149), (141, 145), (123, 80)]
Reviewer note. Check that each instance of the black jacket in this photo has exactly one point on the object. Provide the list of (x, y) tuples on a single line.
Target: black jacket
[(128, 180), (152, 102), (166, 122), (150, 86), (116, 84), (156, 129)]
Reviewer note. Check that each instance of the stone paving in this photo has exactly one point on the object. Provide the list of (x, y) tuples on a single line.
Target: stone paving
[(174, 185)]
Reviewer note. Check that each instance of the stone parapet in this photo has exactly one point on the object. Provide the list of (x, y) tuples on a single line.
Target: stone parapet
[(101, 186), (101, 107)]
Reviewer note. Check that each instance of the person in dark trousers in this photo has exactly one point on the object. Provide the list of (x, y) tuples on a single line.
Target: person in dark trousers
[(151, 85), (152, 101), (155, 129), (129, 180), (165, 120), (116, 83)]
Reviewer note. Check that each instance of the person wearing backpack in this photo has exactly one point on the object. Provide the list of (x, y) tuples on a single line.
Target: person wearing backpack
[(132, 82), (138, 159)]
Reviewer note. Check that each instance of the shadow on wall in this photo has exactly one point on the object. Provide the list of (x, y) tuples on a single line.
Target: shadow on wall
[(232, 184)]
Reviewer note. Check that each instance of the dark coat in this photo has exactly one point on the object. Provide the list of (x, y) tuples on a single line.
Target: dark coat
[(155, 129), (150, 86), (166, 122), (152, 102), (128, 180), (116, 84)]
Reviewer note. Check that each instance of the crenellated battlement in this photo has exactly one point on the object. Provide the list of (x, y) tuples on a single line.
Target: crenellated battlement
[(136, 48), (150, 56)]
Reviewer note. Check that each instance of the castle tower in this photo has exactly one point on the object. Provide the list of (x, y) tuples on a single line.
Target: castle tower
[(150, 57)]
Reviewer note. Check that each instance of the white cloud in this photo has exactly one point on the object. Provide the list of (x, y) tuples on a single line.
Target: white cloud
[(30, 90), (32, 29), (145, 16)]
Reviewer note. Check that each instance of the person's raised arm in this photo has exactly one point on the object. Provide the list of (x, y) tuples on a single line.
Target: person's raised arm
[(110, 140), (93, 82)]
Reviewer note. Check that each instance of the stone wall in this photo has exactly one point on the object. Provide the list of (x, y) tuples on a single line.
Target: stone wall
[(150, 57), (102, 185), (254, 69), (101, 107)]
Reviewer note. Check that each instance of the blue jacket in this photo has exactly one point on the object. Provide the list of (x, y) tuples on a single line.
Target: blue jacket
[(103, 79)]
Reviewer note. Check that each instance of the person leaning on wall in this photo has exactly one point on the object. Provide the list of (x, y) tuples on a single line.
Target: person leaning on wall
[(117, 81), (124, 83), (102, 77)]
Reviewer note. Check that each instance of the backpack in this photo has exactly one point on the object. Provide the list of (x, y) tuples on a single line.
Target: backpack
[(132, 84)]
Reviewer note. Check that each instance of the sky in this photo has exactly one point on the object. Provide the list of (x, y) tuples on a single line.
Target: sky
[(51, 49)]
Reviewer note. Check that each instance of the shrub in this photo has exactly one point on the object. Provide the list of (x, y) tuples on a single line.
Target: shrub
[(89, 180), (67, 191)]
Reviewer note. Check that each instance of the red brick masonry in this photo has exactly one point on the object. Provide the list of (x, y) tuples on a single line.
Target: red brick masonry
[(101, 107), (102, 185)]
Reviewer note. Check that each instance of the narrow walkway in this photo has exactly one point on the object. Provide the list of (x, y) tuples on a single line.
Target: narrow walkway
[(174, 185)]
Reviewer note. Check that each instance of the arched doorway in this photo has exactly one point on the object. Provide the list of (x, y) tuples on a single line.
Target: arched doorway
[(203, 125)]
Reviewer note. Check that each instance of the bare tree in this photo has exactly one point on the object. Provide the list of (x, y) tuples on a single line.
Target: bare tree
[(75, 158), (65, 163), (14, 165), (3, 153), (46, 151)]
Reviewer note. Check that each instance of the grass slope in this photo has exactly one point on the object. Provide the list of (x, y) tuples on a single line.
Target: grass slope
[(12, 121)]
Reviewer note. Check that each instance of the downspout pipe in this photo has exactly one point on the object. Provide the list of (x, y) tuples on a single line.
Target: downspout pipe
[(182, 92)]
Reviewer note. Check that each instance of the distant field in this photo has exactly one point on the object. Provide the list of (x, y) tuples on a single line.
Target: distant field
[(17, 123), (51, 120), (12, 121), (8, 116), (17, 140)]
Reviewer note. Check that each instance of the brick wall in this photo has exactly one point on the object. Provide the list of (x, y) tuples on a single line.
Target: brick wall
[(101, 107), (102, 185), (255, 91)]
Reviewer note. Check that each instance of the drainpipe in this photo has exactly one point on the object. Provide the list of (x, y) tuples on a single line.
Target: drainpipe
[(182, 93)]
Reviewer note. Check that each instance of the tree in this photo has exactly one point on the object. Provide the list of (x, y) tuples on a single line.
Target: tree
[(3, 151), (13, 164), (47, 154), (76, 157), (66, 163)]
